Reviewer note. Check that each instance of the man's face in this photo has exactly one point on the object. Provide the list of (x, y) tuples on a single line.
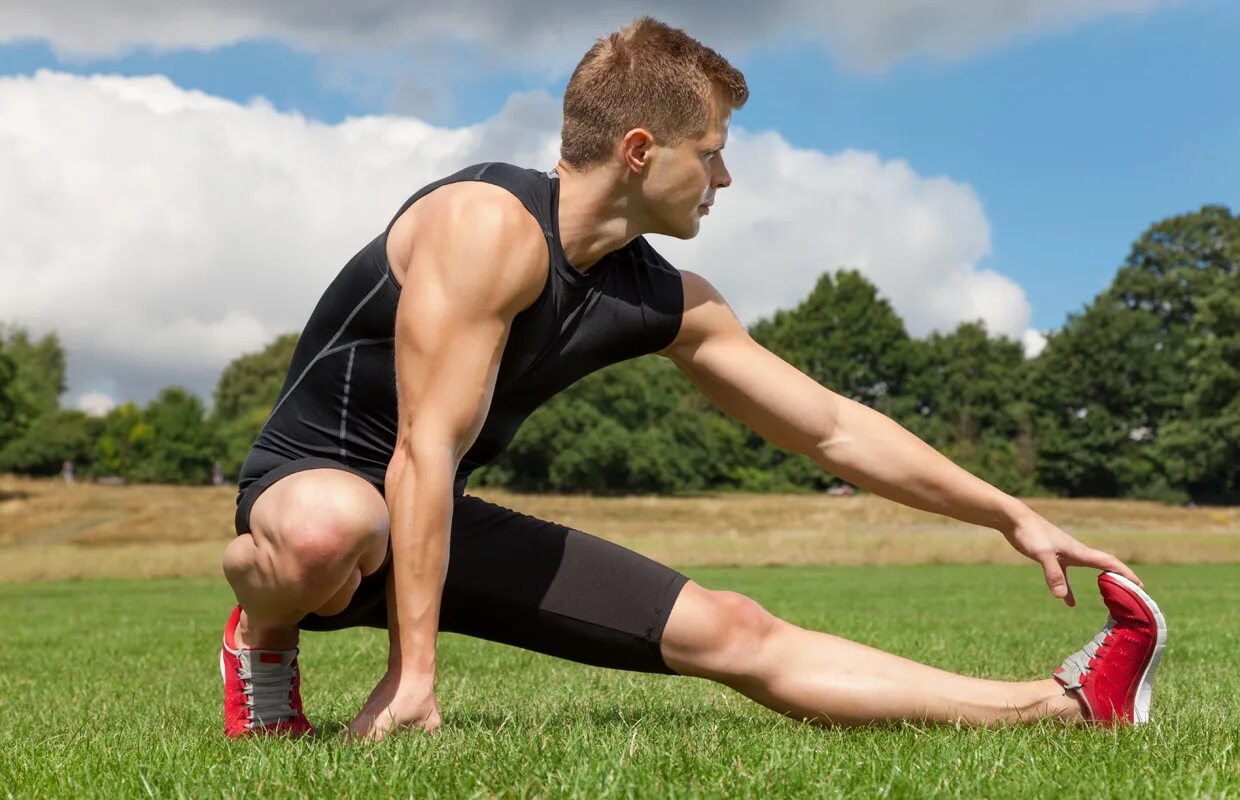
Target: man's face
[(682, 180)]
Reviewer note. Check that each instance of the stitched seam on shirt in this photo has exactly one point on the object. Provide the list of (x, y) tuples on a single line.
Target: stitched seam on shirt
[(344, 411), (327, 347)]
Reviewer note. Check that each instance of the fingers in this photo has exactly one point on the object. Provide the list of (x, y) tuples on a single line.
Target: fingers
[(1057, 578), (1089, 557)]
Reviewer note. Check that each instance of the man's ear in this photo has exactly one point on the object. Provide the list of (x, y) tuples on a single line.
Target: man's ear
[(635, 148)]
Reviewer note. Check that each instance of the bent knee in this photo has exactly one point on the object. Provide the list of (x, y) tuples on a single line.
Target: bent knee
[(320, 530), (717, 633)]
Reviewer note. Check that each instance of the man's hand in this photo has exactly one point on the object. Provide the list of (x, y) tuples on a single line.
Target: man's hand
[(397, 702), (1033, 536)]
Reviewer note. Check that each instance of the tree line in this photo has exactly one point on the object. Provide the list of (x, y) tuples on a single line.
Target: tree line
[(1138, 395)]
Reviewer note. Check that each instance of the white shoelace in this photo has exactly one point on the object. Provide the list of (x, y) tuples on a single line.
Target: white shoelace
[(268, 687), (1076, 665)]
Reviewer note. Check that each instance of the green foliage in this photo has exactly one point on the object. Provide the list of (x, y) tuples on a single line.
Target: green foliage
[(970, 397), (244, 396), (846, 337), (849, 339), (1109, 381), (182, 445), (1138, 395), (253, 380), (8, 371), (634, 427), (32, 378), (1201, 446), (51, 439), (124, 442)]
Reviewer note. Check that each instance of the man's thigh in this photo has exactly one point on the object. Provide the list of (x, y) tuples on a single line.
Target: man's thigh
[(523, 581), (315, 497)]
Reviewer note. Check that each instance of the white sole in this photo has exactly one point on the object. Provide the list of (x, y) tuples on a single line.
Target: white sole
[(1141, 704)]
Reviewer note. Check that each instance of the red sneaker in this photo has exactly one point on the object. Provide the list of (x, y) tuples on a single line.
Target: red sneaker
[(262, 689), (1114, 674)]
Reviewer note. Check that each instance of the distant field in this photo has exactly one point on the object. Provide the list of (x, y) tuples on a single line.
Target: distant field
[(111, 689), (49, 531)]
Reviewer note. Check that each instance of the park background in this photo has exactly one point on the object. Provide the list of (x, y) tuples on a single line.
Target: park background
[(1006, 224)]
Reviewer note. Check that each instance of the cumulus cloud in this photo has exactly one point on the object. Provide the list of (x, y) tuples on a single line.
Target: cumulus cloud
[(1034, 342), (551, 34), (162, 232), (96, 404), (791, 214)]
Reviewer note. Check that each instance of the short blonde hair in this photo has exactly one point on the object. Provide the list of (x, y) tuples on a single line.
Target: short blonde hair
[(646, 75)]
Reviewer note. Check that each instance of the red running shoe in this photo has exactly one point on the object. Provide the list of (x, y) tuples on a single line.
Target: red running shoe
[(1114, 673), (262, 689)]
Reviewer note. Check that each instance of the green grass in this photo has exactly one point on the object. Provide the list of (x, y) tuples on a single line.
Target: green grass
[(112, 689)]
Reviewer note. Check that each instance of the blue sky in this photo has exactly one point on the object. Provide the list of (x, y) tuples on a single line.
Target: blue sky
[(1074, 141), (1073, 135)]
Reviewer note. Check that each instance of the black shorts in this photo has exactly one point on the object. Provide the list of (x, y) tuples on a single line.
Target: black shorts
[(523, 581)]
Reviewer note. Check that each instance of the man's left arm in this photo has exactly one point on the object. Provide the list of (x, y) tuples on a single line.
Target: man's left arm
[(864, 447)]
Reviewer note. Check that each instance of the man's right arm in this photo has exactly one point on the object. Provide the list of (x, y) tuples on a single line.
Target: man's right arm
[(478, 259)]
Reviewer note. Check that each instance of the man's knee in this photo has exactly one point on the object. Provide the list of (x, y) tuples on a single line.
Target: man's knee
[(323, 525), (717, 634)]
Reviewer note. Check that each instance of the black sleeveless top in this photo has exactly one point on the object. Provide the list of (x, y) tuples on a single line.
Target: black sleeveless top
[(339, 397)]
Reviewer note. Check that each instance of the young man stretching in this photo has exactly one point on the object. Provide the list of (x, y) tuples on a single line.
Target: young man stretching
[(491, 290)]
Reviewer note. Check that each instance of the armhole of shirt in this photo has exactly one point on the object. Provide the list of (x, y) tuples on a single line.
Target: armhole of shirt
[(477, 172)]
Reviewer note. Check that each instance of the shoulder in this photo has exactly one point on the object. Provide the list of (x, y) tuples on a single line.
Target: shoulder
[(705, 315), (477, 225)]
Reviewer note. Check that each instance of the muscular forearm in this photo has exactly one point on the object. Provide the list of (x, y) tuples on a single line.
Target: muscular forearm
[(420, 506), (874, 452)]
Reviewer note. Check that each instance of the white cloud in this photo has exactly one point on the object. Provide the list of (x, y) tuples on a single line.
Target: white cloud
[(96, 404), (552, 34), (1034, 342), (183, 229), (791, 214)]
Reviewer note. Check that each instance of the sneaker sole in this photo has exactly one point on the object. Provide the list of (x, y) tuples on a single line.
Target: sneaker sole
[(1145, 689)]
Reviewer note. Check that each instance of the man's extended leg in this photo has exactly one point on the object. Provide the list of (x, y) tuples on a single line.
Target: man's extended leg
[(729, 638)]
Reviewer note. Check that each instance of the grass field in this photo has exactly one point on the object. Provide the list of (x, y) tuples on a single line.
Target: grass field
[(111, 688)]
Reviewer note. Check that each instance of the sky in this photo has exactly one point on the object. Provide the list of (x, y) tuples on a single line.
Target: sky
[(179, 181)]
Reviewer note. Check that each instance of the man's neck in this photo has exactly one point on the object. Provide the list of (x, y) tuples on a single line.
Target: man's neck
[(594, 216)]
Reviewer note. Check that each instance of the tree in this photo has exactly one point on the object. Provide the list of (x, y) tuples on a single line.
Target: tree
[(50, 440), (1106, 384), (635, 426), (8, 405), (244, 396), (35, 379), (183, 445), (970, 395), (254, 380), (1202, 446), (849, 339), (125, 441)]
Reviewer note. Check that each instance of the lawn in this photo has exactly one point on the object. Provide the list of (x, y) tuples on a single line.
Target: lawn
[(111, 688)]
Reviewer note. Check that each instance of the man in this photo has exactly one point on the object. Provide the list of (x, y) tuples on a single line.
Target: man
[(491, 290)]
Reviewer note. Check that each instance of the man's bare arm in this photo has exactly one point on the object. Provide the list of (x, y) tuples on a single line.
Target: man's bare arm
[(479, 258), (792, 411)]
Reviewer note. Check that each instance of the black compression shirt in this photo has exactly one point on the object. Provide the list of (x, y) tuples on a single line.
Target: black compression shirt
[(339, 397)]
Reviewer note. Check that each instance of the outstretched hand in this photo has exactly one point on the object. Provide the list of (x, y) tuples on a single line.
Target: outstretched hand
[(397, 702), (1055, 550)]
